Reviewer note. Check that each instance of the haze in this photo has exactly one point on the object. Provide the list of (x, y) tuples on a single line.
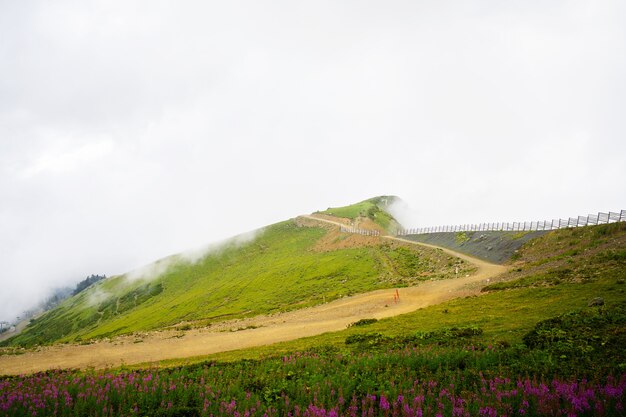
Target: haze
[(133, 130)]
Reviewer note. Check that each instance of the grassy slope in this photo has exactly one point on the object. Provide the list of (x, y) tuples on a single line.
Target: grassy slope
[(372, 208), (597, 253), (277, 271)]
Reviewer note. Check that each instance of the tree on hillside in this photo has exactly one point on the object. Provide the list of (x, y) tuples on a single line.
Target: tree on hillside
[(87, 282)]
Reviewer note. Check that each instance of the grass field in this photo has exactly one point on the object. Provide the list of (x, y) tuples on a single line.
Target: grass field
[(409, 381), (277, 271)]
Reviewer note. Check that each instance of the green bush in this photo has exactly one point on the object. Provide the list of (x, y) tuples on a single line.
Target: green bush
[(449, 333), (362, 322), (583, 337)]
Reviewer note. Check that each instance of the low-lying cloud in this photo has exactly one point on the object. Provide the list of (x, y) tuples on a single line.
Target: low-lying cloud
[(160, 267), (97, 296), (403, 213)]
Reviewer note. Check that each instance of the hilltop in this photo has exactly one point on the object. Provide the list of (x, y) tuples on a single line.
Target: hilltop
[(367, 213)]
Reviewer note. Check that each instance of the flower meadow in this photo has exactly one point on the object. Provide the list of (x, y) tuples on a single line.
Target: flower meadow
[(411, 381)]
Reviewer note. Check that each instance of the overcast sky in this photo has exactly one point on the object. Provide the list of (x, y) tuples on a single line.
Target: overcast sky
[(131, 130)]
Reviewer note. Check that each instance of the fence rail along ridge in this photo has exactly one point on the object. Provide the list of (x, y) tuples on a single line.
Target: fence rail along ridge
[(363, 232), (555, 224)]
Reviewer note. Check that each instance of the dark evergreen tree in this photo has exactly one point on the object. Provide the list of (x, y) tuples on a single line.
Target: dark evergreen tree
[(87, 282)]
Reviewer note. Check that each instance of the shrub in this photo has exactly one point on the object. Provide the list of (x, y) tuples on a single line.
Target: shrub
[(362, 322), (583, 337)]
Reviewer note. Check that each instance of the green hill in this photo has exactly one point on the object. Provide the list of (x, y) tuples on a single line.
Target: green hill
[(281, 269), (547, 338), (373, 209)]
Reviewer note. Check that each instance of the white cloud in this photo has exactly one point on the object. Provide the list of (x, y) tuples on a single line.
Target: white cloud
[(130, 132)]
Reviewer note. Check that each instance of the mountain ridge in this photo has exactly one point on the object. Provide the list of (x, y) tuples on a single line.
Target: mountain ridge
[(284, 266)]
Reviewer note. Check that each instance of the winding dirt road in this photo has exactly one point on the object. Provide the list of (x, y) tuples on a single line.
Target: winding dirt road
[(332, 316)]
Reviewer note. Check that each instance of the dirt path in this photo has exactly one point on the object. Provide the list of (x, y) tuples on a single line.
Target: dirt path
[(486, 270), (332, 316)]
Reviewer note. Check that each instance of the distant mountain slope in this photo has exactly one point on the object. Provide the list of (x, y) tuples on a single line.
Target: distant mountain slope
[(286, 266), (494, 246)]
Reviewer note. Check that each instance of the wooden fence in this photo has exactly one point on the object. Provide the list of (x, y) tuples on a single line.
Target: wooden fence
[(592, 219), (363, 232)]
